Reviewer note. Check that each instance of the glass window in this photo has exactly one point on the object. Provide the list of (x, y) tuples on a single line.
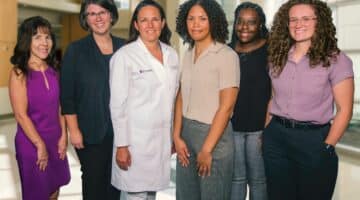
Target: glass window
[(122, 4)]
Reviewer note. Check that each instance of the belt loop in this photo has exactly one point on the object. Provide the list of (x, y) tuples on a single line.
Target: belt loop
[(292, 123)]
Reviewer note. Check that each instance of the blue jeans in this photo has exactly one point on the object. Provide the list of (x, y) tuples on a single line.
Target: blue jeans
[(217, 186), (248, 167)]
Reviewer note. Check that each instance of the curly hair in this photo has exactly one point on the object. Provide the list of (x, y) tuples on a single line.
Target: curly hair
[(216, 16), (263, 32), (323, 47), (30, 27), (165, 35)]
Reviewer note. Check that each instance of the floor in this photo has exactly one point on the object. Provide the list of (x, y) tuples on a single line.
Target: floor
[(347, 187), (9, 177)]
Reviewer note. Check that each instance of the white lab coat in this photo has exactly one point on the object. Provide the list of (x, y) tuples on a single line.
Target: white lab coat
[(142, 95)]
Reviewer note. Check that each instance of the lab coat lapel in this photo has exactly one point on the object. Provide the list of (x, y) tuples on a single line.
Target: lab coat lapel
[(157, 67)]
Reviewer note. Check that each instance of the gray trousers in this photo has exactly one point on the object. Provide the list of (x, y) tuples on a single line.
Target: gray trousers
[(217, 186)]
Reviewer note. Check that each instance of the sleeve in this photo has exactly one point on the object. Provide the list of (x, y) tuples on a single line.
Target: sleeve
[(67, 82), (120, 77), (341, 69), (176, 58), (229, 70)]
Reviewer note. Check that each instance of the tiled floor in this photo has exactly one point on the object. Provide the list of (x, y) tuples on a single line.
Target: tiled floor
[(347, 187), (9, 177)]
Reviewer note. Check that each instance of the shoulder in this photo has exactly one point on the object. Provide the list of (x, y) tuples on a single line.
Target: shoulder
[(169, 48), (226, 54), (83, 40), (188, 52), (53, 70), (79, 44), (341, 67), (126, 49), (224, 49), (16, 75), (342, 59), (118, 41)]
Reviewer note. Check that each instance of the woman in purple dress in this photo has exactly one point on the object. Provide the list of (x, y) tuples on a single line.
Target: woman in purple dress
[(40, 139)]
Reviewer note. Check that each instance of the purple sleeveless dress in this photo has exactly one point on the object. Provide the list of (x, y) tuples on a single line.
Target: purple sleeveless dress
[(43, 110)]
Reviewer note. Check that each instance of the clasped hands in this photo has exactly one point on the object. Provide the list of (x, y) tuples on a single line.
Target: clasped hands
[(203, 160)]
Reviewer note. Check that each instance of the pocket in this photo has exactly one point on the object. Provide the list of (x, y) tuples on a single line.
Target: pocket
[(329, 156), (141, 74)]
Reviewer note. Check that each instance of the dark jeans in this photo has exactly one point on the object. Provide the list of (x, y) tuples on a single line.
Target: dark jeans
[(95, 160), (297, 164)]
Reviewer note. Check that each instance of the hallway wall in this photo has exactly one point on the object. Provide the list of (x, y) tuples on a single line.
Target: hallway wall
[(345, 13)]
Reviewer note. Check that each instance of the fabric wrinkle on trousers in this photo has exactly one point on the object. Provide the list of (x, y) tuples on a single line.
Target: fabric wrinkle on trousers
[(95, 160), (297, 164), (189, 185), (248, 167), (139, 196)]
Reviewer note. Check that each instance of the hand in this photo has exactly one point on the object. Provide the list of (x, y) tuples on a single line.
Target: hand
[(204, 160), (76, 139), (182, 152), (123, 157), (62, 146), (173, 150), (42, 156)]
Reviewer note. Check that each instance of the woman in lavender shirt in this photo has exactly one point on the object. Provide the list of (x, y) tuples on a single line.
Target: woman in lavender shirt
[(309, 74)]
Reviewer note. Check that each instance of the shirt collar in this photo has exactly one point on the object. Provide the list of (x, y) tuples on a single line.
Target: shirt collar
[(291, 52)]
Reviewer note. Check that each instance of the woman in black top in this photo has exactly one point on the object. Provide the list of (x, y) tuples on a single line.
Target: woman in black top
[(85, 97), (249, 41)]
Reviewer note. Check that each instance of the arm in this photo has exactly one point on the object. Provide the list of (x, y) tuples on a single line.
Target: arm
[(180, 146), (76, 137), (120, 77), (19, 103), (62, 144), (219, 123), (268, 115), (344, 100), (68, 94)]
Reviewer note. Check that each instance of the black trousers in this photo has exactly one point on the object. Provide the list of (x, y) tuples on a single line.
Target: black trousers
[(298, 165), (95, 160)]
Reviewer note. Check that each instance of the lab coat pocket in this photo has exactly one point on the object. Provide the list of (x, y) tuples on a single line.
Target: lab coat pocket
[(141, 73)]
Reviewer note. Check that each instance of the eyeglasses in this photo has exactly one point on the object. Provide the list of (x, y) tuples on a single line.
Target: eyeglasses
[(304, 20), (93, 15)]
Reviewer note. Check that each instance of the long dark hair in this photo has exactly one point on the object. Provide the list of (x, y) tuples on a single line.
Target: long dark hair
[(27, 30), (165, 32), (217, 20), (263, 31), (109, 5)]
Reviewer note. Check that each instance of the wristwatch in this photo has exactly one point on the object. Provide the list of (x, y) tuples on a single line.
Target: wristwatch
[(329, 147)]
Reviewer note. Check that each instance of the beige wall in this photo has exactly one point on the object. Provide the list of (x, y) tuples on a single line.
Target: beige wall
[(8, 32)]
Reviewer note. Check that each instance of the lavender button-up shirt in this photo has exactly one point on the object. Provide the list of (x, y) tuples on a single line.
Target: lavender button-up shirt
[(305, 94)]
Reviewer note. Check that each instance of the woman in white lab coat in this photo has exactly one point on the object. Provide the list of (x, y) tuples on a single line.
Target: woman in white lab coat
[(143, 83)]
